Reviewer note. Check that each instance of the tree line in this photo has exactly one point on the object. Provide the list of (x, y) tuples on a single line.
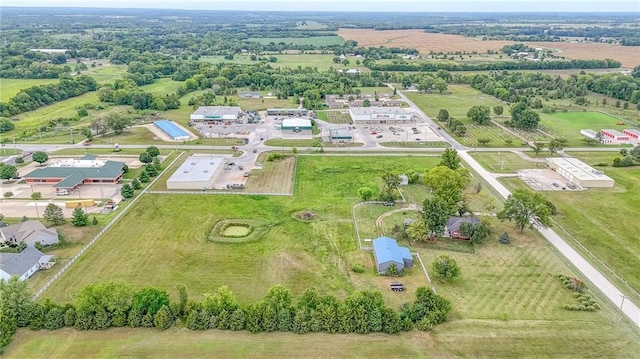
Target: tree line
[(106, 305), (501, 65), (37, 96)]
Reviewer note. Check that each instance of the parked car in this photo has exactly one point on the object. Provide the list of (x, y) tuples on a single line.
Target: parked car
[(397, 287), (379, 136), (555, 184)]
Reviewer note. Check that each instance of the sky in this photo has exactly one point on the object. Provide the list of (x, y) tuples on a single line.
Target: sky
[(353, 5)]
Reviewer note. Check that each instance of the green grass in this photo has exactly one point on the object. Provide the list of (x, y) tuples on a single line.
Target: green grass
[(104, 74), (162, 86), (262, 104), (569, 124), (458, 101), (335, 116), (322, 62), (604, 220), (315, 40), (506, 162), (507, 302), (283, 142), (10, 87)]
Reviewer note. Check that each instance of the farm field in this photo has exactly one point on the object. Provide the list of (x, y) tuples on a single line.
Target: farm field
[(426, 42), (314, 40), (506, 294), (458, 101), (588, 217)]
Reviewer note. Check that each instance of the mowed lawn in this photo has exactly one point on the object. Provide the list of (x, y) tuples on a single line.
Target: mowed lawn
[(605, 220), (507, 162), (569, 124)]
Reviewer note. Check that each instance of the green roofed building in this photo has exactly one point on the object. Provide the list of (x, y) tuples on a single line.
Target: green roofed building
[(70, 174)]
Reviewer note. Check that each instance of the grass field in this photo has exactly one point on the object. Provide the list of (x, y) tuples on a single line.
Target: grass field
[(104, 74), (162, 86), (507, 303), (335, 116), (569, 124), (315, 40), (590, 218), (262, 104), (274, 177), (321, 61), (506, 162), (10, 87), (458, 101)]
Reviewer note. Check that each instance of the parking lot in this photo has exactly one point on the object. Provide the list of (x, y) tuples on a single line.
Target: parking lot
[(546, 180)]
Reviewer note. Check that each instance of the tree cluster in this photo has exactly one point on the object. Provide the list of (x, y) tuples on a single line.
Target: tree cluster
[(106, 305), (527, 209), (496, 66)]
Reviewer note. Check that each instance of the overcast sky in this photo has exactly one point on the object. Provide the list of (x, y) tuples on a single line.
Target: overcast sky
[(353, 5)]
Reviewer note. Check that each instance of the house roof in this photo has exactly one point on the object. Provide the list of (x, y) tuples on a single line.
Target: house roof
[(386, 250), (19, 263), (108, 170), (28, 231), (454, 222)]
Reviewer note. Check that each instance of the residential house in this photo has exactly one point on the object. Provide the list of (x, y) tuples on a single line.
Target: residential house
[(454, 224), (24, 264), (29, 232)]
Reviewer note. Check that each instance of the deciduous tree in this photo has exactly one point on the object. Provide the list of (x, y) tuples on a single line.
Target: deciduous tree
[(40, 157), (526, 209), (480, 115), (436, 213), (53, 214), (365, 193), (450, 159), (446, 267)]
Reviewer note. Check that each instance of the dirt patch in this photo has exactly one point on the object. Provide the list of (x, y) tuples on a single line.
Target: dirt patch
[(424, 42)]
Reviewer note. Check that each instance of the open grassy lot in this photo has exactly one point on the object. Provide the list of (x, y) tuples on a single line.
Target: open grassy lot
[(335, 116), (315, 40), (104, 74), (10, 87), (458, 101), (321, 61), (507, 162), (274, 177), (604, 220), (569, 124), (262, 104), (162, 86), (416, 144)]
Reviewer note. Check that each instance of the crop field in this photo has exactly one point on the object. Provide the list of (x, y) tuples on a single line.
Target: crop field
[(274, 177), (569, 124), (426, 42), (315, 40), (335, 116), (420, 40), (589, 218)]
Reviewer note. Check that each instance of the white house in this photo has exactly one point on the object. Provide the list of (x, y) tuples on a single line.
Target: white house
[(23, 264)]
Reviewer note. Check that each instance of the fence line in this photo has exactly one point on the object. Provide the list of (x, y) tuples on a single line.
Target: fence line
[(101, 233), (220, 193)]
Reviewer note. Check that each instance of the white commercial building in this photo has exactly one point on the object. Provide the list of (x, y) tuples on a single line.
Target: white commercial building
[(579, 172), (379, 115), (196, 172), (216, 113)]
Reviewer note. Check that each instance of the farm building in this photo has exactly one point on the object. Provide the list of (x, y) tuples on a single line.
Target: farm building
[(579, 172), (70, 174), (616, 136), (196, 172), (23, 264), (379, 115), (454, 224), (634, 135), (338, 135), (287, 112), (216, 113), (387, 252), (249, 94), (171, 129), (29, 232), (298, 126)]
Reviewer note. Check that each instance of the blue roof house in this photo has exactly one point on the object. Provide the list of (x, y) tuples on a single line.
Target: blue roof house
[(387, 252)]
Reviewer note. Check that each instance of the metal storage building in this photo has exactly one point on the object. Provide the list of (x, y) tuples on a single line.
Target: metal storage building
[(387, 252), (379, 115), (196, 173), (216, 113), (300, 126), (579, 172), (171, 129)]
